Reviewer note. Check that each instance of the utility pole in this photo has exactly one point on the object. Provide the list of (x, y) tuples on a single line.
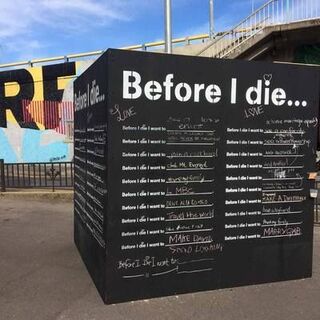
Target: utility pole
[(211, 19), (168, 31)]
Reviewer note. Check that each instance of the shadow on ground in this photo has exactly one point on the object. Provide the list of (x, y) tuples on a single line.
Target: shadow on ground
[(43, 278)]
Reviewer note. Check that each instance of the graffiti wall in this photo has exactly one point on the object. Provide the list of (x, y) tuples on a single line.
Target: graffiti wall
[(36, 112)]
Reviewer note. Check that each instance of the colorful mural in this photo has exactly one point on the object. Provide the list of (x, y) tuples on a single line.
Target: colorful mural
[(36, 112), (36, 109)]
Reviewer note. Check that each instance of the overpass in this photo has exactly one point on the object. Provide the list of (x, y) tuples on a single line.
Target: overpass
[(276, 31), (272, 32)]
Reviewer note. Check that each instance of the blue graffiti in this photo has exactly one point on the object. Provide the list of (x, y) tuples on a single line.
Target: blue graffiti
[(33, 151), (6, 151)]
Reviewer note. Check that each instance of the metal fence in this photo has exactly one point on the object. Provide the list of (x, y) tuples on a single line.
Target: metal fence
[(36, 175), (2, 179), (273, 12), (317, 203), (61, 175)]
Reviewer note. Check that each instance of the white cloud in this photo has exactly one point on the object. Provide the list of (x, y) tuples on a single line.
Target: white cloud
[(27, 25), (25, 49), (20, 17), (88, 7), (21, 21)]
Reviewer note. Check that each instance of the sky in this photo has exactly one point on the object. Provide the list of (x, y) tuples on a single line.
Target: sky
[(31, 29)]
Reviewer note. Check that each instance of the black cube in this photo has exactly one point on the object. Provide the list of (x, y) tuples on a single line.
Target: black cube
[(192, 173)]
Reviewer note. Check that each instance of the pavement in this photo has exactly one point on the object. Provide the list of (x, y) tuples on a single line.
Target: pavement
[(38, 193), (43, 278)]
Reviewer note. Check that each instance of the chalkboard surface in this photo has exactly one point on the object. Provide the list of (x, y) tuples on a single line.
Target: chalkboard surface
[(192, 173)]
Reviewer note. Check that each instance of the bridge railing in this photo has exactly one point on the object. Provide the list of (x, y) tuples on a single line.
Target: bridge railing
[(94, 54), (273, 12)]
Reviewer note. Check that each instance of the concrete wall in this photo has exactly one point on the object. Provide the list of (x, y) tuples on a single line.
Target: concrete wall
[(285, 43)]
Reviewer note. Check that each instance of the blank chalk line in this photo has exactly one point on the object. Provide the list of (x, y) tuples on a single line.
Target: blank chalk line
[(194, 271), (282, 236), (279, 179), (187, 231), (191, 181), (186, 219), (282, 155), (196, 260), (181, 169), (188, 194), (133, 276), (165, 272), (286, 167), (186, 243), (290, 201), (281, 224), (189, 144), (281, 190), (184, 156), (181, 130), (279, 213), (198, 206), (282, 132)]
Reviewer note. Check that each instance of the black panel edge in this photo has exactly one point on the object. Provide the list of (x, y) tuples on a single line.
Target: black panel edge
[(93, 258)]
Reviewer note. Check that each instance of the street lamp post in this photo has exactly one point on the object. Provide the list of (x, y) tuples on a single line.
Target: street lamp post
[(211, 19), (168, 31)]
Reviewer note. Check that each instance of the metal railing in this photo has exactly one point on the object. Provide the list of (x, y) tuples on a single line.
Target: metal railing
[(317, 203), (95, 54), (2, 177), (274, 12), (37, 175), (61, 175)]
